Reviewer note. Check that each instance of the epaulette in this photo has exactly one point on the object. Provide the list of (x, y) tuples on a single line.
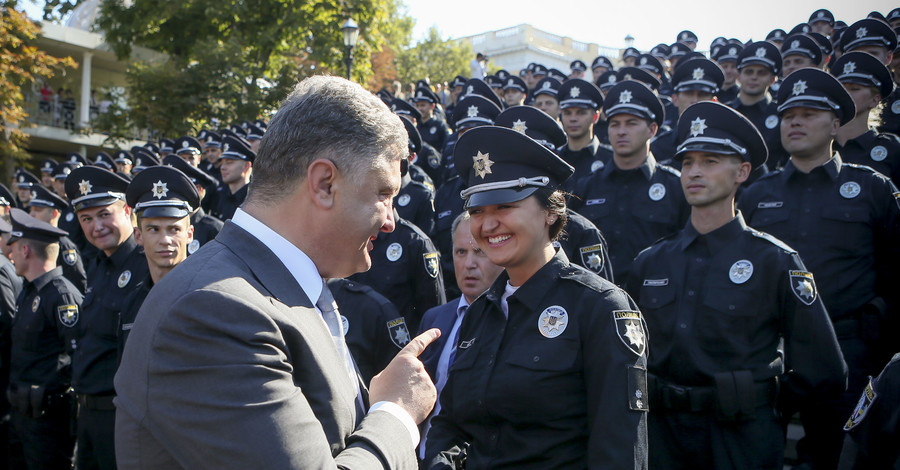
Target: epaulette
[(668, 169), (64, 288), (773, 240), (605, 146), (890, 137), (768, 175), (359, 288), (413, 227), (425, 186)]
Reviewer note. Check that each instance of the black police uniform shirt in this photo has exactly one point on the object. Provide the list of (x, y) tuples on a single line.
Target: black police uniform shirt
[(447, 206), (206, 227), (434, 132), (406, 268), (110, 280), (764, 115), (211, 169), (873, 429), (720, 302), (664, 145), (601, 131), (373, 329), (10, 287), (44, 334), (68, 221), (130, 307), (418, 174), (879, 151), (449, 167), (415, 203), (591, 158), (430, 161), (728, 94), (227, 202), (632, 208), (559, 382), (69, 259), (843, 219), (671, 119), (890, 116), (585, 246)]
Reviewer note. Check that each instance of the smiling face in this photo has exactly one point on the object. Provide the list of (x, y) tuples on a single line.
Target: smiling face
[(474, 270), (514, 235), (106, 227), (363, 207), (165, 240)]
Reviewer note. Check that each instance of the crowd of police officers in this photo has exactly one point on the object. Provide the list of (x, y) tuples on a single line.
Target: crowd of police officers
[(74, 276)]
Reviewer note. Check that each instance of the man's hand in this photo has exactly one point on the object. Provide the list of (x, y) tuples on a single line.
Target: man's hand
[(405, 382)]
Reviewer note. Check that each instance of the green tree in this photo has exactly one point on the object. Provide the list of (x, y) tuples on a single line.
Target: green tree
[(228, 60), (437, 58), (21, 65)]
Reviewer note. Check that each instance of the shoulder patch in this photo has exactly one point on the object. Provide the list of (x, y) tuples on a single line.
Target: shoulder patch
[(803, 286), (68, 314), (862, 406), (432, 263), (630, 328), (398, 332)]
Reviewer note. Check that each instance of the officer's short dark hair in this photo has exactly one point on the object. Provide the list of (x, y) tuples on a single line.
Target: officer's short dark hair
[(464, 215), (324, 117), (43, 250), (554, 201)]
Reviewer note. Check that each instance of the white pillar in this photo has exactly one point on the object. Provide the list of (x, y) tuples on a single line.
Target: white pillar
[(85, 110)]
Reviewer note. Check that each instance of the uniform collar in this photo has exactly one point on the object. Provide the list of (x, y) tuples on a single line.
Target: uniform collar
[(719, 238), (648, 168), (531, 297), (832, 168), (593, 146), (863, 141), (122, 253), (44, 279)]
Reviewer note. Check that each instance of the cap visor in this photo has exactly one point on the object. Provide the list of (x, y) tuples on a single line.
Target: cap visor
[(101, 201), (499, 196), (164, 211)]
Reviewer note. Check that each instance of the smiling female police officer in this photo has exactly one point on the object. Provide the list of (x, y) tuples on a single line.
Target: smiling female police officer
[(550, 365)]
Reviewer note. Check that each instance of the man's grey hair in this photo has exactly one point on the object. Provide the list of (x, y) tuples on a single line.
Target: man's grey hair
[(464, 215), (324, 117)]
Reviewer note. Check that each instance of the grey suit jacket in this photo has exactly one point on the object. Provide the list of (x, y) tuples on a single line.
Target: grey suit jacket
[(228, 365)]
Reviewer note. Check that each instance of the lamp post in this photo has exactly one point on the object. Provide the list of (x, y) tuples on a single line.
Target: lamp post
[(351, 35)]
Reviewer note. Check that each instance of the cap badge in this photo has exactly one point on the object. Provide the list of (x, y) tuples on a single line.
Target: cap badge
[(84, 187), (482, 164), (160, 189), (799, 87), (73, 159), (519, 126), (472, 111), (612, 79), (393, 107), (760, 52), (419, 94), (185, 144), (698, 73), (732, 51), (795, 44), (684, 36), (627, 76), (470, 89), (552, 322), (849, 67), (574, 92), (224, 147), (697, 127), (861, 33), (821, 14), (546, 85), (625, 96), (850, 190), (643, 61), (511, 82), (740, 271)]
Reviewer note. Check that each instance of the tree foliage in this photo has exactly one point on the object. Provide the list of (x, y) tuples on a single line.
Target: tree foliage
[(437, 58), (21, 65), (235, 59)]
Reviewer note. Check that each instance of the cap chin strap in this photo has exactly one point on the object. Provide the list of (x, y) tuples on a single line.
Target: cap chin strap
[(518, 183), (814, 99), (711, 140), (163, 203)]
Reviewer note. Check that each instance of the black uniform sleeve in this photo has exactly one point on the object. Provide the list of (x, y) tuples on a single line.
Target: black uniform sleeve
[(873, 429), (428, 290)]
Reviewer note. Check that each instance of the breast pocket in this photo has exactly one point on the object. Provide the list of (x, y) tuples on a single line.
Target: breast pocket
[(846, 225), (656, 212), (596, 209), (729, 317), (769, 217), (654, 296)]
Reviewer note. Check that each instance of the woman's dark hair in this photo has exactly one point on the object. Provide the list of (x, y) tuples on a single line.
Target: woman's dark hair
[(554, 200)]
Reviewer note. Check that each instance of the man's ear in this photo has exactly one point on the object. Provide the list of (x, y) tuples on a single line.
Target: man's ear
[(743, 171), (320, 179), (137, 236)]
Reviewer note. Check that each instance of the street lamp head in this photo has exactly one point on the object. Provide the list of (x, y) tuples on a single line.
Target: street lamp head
[(351, 33)]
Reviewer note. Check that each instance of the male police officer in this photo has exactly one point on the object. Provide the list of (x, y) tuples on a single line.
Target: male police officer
[(844, 221), (206, 227), (633, 200), (433, 130), (719, 297), (236, 166), (43, 337), (727, 57), (47, 207), (98, 197), (799, 51), (580, 102), (163, 199)]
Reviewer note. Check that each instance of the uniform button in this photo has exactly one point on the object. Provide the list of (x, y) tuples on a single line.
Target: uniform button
[(806, 210), (536, 359), (802, 234), (731, 307), (650, 216), (699, 260), (491, 362), (683, 325), (618, 232), (653, 300), (690, 292), (479, 402), (494, 437)]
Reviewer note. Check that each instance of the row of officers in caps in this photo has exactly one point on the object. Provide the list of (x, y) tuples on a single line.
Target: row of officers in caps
[(623, 189)]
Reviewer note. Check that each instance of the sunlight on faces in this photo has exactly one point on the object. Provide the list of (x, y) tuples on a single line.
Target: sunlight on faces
[(106, 227), (165, 240), (755, 79), (44, 214), (474, 270), (513, 97), (513, 235), (731, 73), (212, 154), (684, 99), (795, 62), (629, 134), (547, 104), (578, 122), (425, 108), (864, 97), (807, 132), (233, 170), (709, 178)]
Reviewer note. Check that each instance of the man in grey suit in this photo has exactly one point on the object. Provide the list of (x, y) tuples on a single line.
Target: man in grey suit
[(237, 359)]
